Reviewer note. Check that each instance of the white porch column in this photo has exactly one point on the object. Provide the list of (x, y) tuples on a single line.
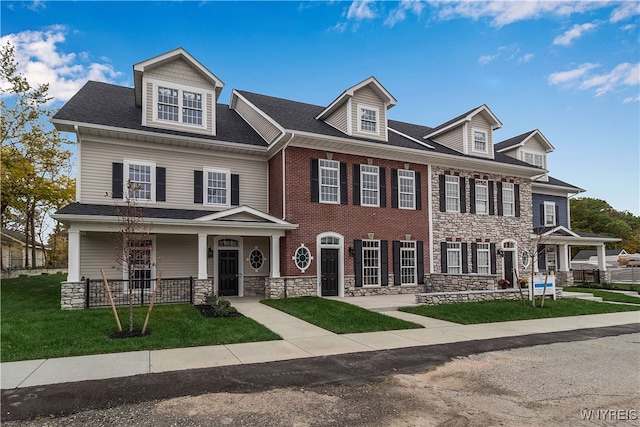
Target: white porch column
[(602, 265), (202, 255), (564, 258), (275, 256), (73, 263)]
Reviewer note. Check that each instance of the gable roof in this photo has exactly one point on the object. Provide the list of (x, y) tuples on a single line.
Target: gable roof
[(344, 96), (15, 237), (179, 53), (520, 140), (554, 182), (105, 105), (463, 118)]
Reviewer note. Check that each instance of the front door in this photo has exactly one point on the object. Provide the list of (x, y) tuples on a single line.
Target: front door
[(329, 272), (508, 266), (227, 273)]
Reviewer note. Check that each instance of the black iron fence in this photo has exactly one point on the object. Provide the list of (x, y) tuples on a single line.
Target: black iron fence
[(586, 276), (170, 291)]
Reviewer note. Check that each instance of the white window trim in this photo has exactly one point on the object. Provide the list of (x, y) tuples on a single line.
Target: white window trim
[(413, 191), (473, 140), (446, 205), (372, 108), (125, 271), (362, 189), (506, 188), (379, 268), (125, 179), (206, 106), (457, 249), (482, 183), (320, 169), (340, 247), (550, 253), (484, 248), (534, 154), (300, 249), (205, 186), (414, 250), (544, 220)]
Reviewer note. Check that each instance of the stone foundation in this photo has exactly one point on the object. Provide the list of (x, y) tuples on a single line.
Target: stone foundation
[(201, 289), (460, 282), (350, 289), (436, 298), (254, 286), (72, 295)]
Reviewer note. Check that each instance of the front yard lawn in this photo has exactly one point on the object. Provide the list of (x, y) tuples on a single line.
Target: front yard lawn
[(337, 316), (502, 311), (34, 327), (606, 295)]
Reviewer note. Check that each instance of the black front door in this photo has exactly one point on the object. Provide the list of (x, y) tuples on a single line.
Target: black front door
[(508, 266), (329, 272), (228, 273)]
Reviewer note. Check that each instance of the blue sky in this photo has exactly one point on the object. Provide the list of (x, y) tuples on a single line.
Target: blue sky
[(570, 69)]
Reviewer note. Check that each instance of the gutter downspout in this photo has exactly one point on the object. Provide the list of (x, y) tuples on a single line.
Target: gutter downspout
[(284, 178)]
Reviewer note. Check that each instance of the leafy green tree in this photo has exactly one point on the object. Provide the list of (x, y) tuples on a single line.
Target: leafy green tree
[(35, 161)]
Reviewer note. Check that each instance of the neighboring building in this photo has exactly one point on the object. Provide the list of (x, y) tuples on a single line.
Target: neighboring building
[(588, 258), (14, 251), (268, 196)]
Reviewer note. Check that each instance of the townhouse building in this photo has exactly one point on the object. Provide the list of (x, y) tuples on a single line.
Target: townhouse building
[(271, 197)]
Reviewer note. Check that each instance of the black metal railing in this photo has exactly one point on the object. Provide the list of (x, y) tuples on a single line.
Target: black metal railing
[(171, 291), (586, 276)]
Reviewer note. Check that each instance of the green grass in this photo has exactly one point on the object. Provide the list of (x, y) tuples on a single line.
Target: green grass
[(610, 286), (502, 311), (606, 295), (34, 327), (337, 316)]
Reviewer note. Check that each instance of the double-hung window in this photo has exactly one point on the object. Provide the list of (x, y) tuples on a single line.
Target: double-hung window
[(192, 108), (139, 180), (452, 190), (217, 186), (368, 119), (483, 258), (549, 214), (370, 182), (168, 104), (408, 263), (371, 262), (454, 258), (508, 199), (329, 181), (406, 189), (179, 104), (482, 196), (534, 159), (480, 141)]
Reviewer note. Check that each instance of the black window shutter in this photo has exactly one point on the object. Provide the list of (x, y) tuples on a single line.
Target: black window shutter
[(394, 188), (443, 196), (356, 185), (542, 215), (499, 191), (491, 198), (383, 187), (420, 261), (384, 263), (357, 262), (474, 257), (465, 266), (516, 198), (235, 190), (557, 215), (117, 180), (472, 195), (443, 256), (397, 280), (542, 257), (161, 184), (418, 191), (492, 254), (463, 195), (315, 184), (198, 182), (344, 190)]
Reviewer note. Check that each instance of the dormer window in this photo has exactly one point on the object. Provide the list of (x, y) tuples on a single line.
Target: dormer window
[(176, 106), (368, 119), (479, 141), (167, 104), (170, 108), (534, 159)]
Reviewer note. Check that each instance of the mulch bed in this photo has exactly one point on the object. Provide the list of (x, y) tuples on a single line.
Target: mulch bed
[(129, 334)]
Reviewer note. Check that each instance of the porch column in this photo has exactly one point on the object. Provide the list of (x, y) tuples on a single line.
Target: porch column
[(602, 257), (73, 263), (202, 255), (275, 256), (564, 258)]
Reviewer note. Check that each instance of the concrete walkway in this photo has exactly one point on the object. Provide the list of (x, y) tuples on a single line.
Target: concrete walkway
[(300, 340)]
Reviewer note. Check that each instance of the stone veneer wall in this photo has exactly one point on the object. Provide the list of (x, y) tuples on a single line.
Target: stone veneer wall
[(350, 289), (254, 286), (460, 282), (201, 289), (288, 287), (72, 295), (436, 298)]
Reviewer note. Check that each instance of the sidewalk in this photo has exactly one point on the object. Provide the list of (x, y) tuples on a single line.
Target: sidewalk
[(299, 340)]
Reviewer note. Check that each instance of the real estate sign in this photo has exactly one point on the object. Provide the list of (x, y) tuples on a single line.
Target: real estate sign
[(544, 285)]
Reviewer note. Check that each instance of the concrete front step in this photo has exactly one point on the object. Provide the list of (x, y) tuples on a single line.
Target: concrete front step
[(581, 295)]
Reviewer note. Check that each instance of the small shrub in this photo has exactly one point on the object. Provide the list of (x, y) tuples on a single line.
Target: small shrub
[(217, 306)]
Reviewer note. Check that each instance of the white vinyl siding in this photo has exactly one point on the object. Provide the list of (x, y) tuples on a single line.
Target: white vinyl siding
[(453, 139), (339, 119), (180, 162), (329, 172), (452, 190), (267, 130), (479, 124), (367, 98)]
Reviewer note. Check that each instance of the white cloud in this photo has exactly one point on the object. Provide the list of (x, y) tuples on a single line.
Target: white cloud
[(577, 31), (361, 9), (399, 14), (526, 58), (485, 59), (622, 76), (631, 99), (626, 10), (504, 13), (40, 61)]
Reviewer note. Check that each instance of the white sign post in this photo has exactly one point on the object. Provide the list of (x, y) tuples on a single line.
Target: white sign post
[(539, 286)]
